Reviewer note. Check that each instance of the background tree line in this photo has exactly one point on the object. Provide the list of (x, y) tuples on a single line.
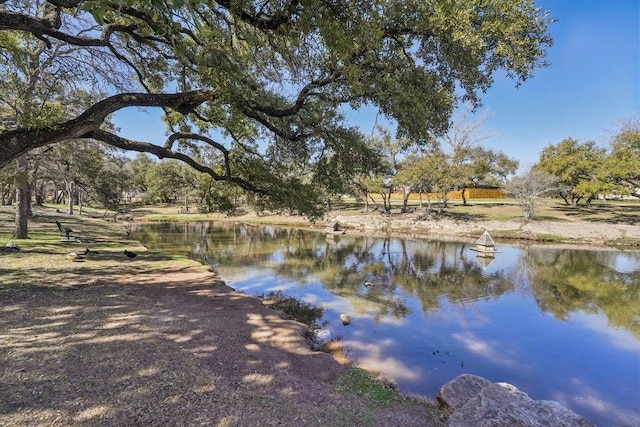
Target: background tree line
[(91, 173)]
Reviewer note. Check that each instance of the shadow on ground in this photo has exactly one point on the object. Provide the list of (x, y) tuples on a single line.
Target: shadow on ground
[(608, 214), (178, 350)]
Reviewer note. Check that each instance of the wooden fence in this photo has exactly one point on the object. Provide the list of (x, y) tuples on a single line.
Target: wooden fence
[(470, 193)]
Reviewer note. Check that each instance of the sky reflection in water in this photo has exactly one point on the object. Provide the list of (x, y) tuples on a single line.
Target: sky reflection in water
[(559, 324)]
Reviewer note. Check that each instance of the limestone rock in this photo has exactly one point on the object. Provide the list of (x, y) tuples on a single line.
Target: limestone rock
[(503, 405), (460, 390), (345, 319)]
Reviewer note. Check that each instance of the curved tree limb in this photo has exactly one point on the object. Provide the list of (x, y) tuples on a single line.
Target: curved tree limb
[(225, 153), (40, 28), (162, 152), (19, 141)]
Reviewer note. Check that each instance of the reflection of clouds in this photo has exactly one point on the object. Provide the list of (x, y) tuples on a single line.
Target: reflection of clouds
[(337, 305), (371, 358), (472, 316), (598, 322), (493, 351), (358, 309), (324, 300), (465, 313), (625, 263), (586, 400), (256, 281)]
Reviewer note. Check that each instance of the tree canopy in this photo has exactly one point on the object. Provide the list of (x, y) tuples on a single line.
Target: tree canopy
[(575, 164), (622, 166), (587, 170), (254, 92)]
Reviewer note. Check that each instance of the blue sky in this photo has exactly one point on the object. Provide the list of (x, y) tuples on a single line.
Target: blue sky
[(593, 82)]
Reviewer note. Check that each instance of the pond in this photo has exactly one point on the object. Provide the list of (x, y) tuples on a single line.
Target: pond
[(560, 324)]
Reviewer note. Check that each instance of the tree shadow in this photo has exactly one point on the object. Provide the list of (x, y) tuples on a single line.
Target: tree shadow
[(461, 216), (608, 214), (174, 352)]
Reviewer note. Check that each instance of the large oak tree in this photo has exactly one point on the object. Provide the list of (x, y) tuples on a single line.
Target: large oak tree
[(264, 84), (576, 165), (622, 166)]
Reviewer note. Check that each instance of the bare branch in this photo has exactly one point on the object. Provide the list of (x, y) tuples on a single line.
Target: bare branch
[(305, 93), (225, 153), (162, 152)]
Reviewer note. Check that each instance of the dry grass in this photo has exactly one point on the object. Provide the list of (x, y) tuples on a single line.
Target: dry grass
[(42, 259)]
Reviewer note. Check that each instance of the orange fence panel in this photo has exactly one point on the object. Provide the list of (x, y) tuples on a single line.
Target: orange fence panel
[(470, 193)]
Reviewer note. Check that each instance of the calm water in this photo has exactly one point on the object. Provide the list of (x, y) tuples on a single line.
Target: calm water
[(559, 324)]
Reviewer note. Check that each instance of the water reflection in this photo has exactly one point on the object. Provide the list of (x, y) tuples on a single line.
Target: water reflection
[(559, 324)]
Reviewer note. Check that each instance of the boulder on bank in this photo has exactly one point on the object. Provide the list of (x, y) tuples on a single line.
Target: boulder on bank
[(478, 402), (454, 394)]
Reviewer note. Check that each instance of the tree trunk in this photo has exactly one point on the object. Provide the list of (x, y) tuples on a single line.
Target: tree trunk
[(58, 196), (22, 203), (405, 201), (70, 191), (373, 200), (383, 195), (28, 199), (464, 197), (40, 194), (563, 197), (528, 207)]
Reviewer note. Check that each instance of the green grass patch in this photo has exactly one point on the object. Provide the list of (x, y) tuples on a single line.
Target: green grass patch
[(624, 243), (476, 210), (376, 392), (294, 308)]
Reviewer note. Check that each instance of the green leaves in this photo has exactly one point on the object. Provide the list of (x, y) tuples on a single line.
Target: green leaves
[(622, 166), (282, 73), (588, 170), (97, 9), (573, 163)]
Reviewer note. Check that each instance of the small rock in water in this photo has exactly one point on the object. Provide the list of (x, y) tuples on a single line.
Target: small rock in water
[(322, 334), (345, 319)]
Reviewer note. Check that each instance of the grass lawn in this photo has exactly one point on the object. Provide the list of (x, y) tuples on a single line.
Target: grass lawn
[(42, 259)]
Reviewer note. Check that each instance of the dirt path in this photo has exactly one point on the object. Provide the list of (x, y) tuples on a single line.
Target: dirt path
[(175, 347)]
